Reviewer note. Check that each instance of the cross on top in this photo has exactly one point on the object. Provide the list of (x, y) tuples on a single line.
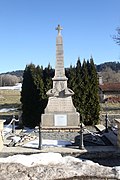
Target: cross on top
[(59, 28)]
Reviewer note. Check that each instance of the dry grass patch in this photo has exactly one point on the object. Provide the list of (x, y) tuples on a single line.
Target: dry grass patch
[(9, 97), (113, 108)]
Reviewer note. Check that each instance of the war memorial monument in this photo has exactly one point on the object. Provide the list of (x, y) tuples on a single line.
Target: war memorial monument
[(60, 111)]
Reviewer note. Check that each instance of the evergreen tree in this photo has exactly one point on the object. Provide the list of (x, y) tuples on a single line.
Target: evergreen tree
[(70, 73), (41, 99), (31, 94), (90, 98), (47, 78), (78, 86), (93, 105), (85, 92)]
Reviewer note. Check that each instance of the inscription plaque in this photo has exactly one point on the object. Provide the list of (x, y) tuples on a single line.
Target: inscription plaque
[(60, 119)]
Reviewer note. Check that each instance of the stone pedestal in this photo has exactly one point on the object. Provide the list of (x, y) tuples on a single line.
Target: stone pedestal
[(1, 137), (118, 135), (60, 112)]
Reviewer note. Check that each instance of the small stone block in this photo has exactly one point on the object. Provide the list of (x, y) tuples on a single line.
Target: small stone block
[(100, 127)]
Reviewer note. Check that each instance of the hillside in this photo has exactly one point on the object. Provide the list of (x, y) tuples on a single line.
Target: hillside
[(115, 66), (110, 71), (17, 73)]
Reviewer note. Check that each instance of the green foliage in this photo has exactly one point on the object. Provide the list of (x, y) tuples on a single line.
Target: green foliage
[(84, 82), (77, 98), (32, 96), (47, 78), (93, 103)]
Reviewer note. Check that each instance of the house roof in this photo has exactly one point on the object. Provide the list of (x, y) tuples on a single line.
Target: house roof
[(110, 87)]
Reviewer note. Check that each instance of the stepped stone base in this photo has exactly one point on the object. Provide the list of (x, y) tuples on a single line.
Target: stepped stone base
[(60, 120)]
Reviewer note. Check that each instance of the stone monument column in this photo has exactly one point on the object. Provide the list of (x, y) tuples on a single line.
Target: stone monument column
[(59, 67), (60, 111)]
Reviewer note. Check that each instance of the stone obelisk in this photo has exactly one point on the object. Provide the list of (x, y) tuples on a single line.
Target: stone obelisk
[(60, 111)]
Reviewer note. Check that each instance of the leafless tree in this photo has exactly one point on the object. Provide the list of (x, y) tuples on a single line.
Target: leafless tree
[(110, 76), (8, 80), (117, 37)]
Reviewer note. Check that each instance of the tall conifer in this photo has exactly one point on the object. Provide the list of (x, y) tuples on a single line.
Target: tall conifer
[(47, 78), (90, 96), (85, 91), (31, 94), (94, 94), (78, 87)]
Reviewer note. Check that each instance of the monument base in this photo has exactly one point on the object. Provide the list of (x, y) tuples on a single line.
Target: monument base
[(60, 120)]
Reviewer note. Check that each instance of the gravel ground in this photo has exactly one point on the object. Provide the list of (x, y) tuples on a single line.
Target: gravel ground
[(68, 136)]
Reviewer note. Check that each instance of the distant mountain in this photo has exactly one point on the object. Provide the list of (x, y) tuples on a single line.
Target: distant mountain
[(115, 66), (18, 73)]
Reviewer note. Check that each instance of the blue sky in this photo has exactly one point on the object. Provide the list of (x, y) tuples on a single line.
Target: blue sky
[(27, 31)]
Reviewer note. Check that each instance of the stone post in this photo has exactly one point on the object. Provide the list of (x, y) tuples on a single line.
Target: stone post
[(1, 135), (81, 145), (118, 135), (13, 124), (40, 137), (106, 123)]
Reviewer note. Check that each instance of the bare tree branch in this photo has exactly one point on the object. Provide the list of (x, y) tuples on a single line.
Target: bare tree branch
[(117, 37)]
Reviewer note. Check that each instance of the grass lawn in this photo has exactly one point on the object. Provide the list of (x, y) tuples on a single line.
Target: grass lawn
[(9, 99), (112, 108)]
